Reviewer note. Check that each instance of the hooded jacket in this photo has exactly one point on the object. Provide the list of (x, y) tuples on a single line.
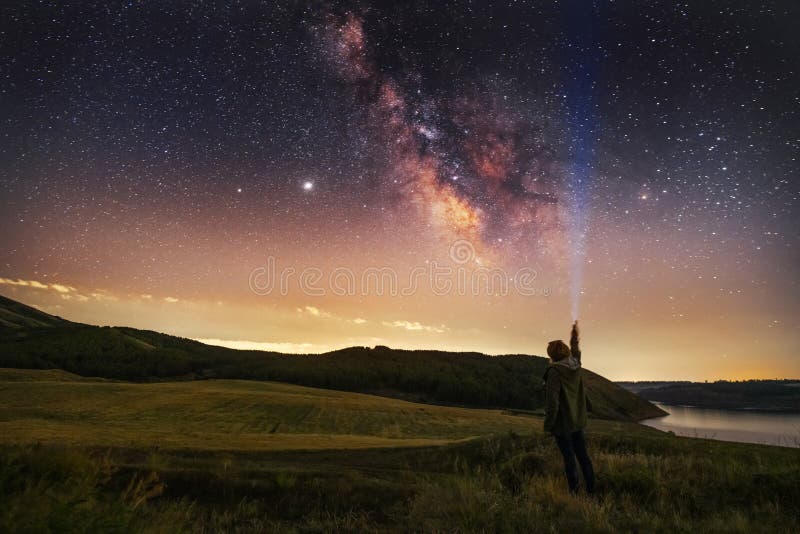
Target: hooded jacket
[(566, 402)]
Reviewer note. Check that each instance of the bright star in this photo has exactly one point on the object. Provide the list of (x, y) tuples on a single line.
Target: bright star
[(308, 186)]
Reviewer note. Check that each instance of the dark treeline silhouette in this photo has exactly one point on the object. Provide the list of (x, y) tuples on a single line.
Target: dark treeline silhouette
[(129, 354), (765, 395)]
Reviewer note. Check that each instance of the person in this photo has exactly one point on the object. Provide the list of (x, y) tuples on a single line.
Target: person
[(566, 407)]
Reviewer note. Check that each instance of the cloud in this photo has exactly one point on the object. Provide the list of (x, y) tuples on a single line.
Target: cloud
[(66, 292), (313, 310), (71, 293), (60, 288), (416, 326), (317, 312), (10, 282), (102, 295)]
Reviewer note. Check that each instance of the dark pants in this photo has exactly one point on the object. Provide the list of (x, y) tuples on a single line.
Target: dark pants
[(572, 446)]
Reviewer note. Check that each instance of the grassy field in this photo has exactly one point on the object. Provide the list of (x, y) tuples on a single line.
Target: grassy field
[(79, 454), (226, 414)]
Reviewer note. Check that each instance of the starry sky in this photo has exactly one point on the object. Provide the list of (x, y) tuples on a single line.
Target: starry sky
[(456, 175)]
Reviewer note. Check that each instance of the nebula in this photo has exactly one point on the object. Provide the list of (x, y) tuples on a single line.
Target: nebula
[(470, 169)]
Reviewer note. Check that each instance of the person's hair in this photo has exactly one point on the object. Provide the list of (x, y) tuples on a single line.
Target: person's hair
[(558, 350)]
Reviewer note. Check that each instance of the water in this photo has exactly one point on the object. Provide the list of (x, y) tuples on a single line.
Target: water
[(730, 425)]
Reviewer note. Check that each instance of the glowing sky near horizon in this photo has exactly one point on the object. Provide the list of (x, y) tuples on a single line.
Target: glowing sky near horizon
[(154, 157)]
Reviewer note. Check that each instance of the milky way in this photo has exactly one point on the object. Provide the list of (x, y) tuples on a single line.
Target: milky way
[(472, 171), (163, 151)]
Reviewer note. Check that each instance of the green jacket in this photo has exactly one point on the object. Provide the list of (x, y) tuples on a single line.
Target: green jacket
[(566, 402)]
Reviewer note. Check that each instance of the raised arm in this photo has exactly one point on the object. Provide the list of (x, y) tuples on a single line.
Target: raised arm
[(573, 342)]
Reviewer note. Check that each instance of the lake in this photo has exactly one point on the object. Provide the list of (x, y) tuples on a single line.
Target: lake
[(729, 425)]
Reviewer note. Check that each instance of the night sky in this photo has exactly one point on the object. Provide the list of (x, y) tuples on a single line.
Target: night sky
[(638, 160)]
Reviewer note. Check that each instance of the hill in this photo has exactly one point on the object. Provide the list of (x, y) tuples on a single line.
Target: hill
[(16, 315), (57, 407), (84, 455), (36, 340), (762, 395)]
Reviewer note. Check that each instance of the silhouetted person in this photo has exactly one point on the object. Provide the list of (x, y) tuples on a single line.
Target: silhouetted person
[(566, 407)]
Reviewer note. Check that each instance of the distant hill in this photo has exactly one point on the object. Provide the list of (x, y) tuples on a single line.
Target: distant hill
[(761, 395), (31, 339)]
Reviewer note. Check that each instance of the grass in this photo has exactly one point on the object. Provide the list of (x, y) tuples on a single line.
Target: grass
[(237, 456), (226, 414)]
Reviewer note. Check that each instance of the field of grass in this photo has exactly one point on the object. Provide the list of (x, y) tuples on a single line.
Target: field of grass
[(226, 414), (79, 454)]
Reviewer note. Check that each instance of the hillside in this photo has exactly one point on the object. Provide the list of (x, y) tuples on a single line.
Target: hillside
[(56, 407), (35, 340), (86, 455), (16, 315)]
